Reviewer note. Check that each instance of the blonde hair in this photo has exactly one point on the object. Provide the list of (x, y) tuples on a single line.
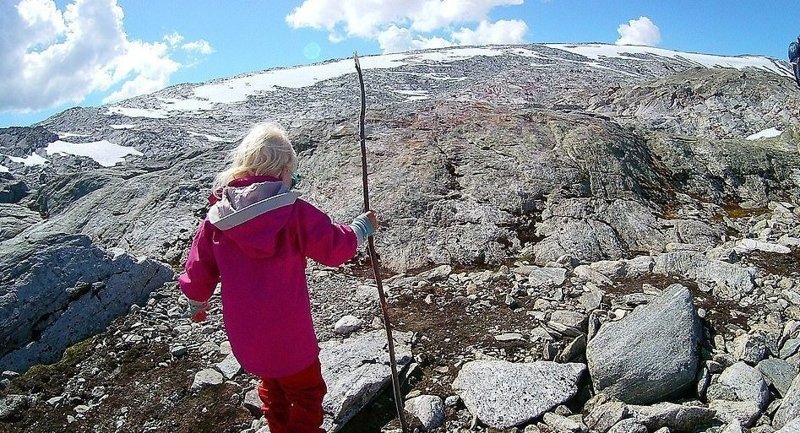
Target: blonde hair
[(264, 151)]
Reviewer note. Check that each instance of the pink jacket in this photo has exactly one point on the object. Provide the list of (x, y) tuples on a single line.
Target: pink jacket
[(256, 239)]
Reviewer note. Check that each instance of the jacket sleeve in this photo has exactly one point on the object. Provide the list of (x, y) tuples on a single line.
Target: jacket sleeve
[(322, 240), (201, 274)]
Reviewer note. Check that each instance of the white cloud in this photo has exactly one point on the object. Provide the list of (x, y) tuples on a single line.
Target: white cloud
[(410, 24), (500, 32), (201, 47), (49, 57), (396, 39), (641, 31)]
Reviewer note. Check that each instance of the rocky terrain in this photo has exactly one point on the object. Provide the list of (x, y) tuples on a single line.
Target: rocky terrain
[(575, 238)]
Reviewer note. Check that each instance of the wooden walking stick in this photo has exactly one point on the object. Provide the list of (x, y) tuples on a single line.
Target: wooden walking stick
[(398, 398)]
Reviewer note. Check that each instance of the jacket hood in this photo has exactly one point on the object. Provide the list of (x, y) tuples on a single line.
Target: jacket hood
[(253, 212)]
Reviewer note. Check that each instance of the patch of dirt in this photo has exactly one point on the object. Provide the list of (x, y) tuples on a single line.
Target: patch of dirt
[(787, 265), (139, 395), (719, 312)]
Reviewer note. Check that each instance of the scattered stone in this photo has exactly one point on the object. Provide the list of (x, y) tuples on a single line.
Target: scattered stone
[(252, 402), (778, 373), (503, 394), (206, 377), (574, 351), (629, 425), (347, 325), (586, 273), (732, 427), (229, 367), (749, 348), (178, 351), (428, 409), (740, 382), (790, 347), (792, 426), (452, 401), (591, 300), (649, 354), (356, 371), (11, 405), (566, 322), (744, 413), (542, 278), (440, 273), (747, 246), (509, 336), (606, 415), (562, 424), (676, 417), (790, 406)]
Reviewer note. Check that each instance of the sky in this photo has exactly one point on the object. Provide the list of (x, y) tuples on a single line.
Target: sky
[(56, 54)]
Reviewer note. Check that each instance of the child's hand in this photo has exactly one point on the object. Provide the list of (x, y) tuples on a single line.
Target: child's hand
[(373, 219)]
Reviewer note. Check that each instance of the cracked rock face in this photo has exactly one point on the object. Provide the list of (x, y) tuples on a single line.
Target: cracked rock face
[(58, 289)]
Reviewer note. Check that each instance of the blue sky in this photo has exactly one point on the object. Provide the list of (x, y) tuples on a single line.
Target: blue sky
[(58, 54)]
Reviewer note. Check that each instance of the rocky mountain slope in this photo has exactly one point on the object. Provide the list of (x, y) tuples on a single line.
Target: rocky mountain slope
[(579, 238)]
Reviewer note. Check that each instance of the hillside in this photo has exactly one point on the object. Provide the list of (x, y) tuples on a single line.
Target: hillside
[(538, 203)]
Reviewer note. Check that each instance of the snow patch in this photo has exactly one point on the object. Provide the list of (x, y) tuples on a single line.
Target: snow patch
[(29, 161), (137, 112), (208, 137), (601, 51), (767, 133), (238, 89), (3, 169), (173, 104), (70, 134), (123, 126), (413, 95), (104, 152)]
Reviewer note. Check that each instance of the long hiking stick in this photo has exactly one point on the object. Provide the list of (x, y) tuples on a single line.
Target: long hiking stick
[(398, 398)]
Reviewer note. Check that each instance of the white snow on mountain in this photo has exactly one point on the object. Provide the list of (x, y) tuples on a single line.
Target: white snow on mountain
[(104, 152), (413, 95), (767, 133), (3, 169), (600, 51), (30, 160), (208, 137), (123, 126), (137, 112), (238, 89)]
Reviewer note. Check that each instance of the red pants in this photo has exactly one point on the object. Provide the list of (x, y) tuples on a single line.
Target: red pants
[(293, 404)]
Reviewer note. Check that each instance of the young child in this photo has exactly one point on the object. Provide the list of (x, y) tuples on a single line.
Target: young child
[(256, 239)]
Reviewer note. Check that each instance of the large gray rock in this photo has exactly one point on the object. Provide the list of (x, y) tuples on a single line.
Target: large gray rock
[(356, 371), (504, 394), (651, 353), (790, 406), (58, 289)]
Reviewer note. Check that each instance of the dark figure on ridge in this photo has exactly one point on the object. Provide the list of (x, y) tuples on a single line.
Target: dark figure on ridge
[(794, 58)]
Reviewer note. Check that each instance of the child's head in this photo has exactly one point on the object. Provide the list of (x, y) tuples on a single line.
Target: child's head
[(265, 151)]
